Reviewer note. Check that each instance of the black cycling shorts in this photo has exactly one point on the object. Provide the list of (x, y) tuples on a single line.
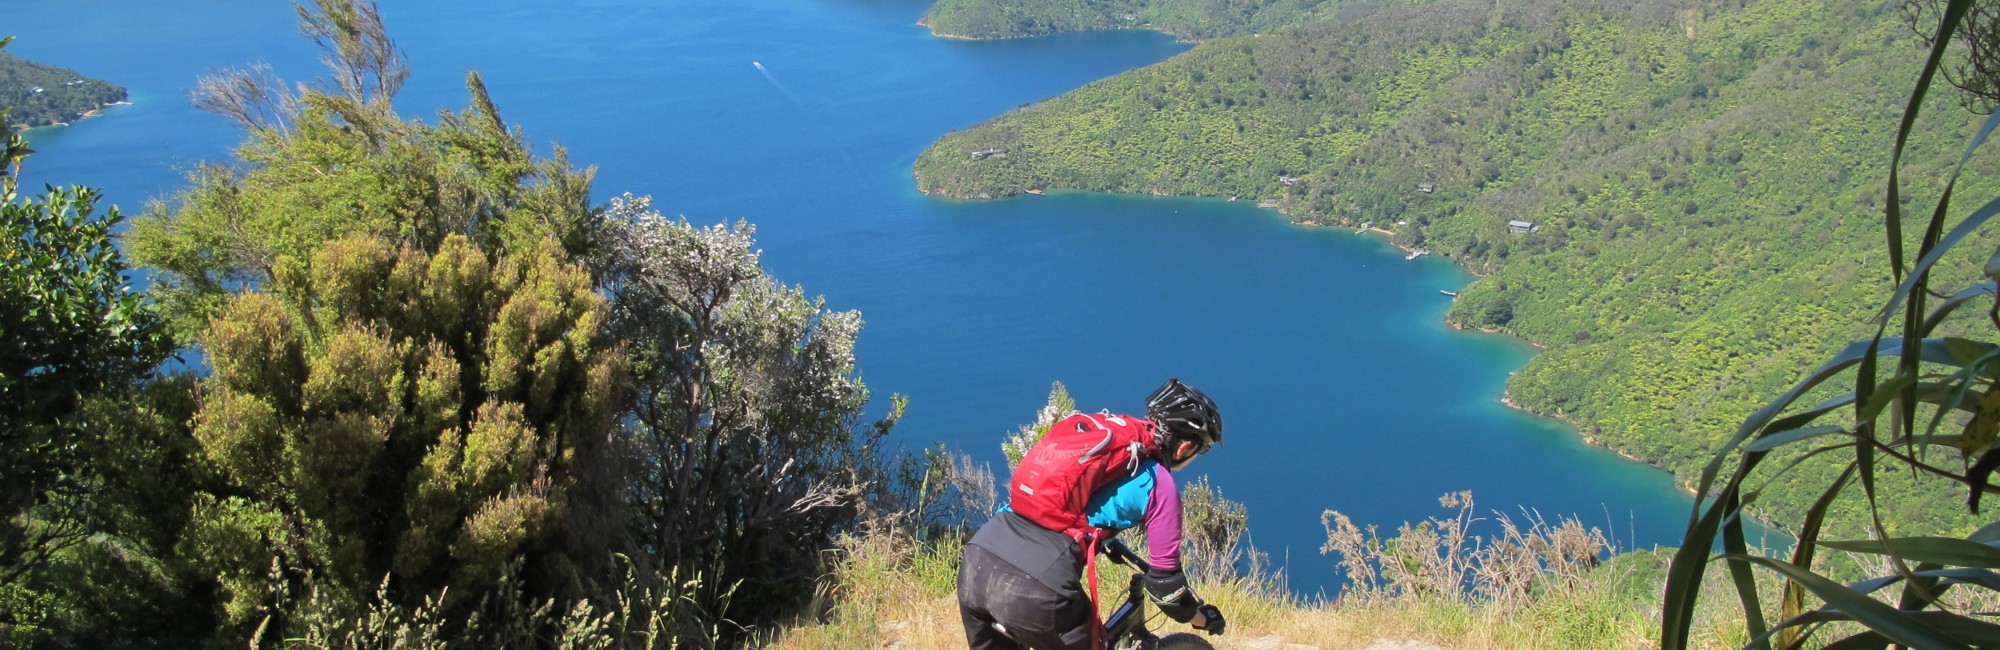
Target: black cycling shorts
[(1034, 616)]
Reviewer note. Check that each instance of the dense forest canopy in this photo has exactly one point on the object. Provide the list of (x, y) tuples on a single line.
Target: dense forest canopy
[(35, 94), (1703, 179)]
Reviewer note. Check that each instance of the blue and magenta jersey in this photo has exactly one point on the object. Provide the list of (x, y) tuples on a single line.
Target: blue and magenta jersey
[(1148, 499)]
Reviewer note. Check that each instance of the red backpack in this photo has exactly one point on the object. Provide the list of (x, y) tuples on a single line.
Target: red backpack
[(1055, 479), (1079, 454)]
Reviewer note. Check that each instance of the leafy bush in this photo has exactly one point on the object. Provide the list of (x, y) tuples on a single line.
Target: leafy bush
[(748, 450), (638, 612), (337, 160), (384, 410), (75, 338), (419, 429)]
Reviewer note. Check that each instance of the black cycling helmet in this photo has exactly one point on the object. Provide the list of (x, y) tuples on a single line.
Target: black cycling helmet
[(1184, 413)]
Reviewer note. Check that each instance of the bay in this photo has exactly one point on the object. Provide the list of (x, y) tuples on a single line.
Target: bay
[(1340, 384)]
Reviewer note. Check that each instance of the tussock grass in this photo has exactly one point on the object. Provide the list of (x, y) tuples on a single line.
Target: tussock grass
[(888, 588), (1535, 583)]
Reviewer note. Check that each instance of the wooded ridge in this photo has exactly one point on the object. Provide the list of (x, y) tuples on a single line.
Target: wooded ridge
[(1697, 185)]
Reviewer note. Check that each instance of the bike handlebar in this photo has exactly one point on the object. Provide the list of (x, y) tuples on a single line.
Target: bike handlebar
[(1119, 553)]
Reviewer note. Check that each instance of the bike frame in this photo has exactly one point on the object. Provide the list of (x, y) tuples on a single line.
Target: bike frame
[(1128, 623)]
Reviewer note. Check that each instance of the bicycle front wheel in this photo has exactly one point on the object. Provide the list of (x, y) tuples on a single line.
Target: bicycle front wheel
[(1183, 641)]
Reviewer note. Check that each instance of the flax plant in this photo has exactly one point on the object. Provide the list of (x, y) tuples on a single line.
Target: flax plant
[(1922, 402)]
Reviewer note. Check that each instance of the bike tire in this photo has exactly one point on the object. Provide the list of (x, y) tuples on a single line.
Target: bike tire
[(1183, 641)]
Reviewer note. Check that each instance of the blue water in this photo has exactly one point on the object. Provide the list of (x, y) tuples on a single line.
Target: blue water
[(1341, 387)]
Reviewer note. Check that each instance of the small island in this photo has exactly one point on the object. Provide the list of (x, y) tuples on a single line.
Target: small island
[(34, 94)]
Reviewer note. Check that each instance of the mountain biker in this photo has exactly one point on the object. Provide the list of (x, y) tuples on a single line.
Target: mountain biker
[(1019, 583)]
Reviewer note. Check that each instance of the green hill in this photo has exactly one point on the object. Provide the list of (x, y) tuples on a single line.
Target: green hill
[(1187, 19), (35, 94), (1703, 179)]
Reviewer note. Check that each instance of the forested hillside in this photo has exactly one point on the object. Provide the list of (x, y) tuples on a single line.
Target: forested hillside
[(1704, 181), (1187, 19), (40, 95)]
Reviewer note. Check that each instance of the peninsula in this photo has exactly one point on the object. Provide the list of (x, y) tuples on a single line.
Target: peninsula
[(35, 94)]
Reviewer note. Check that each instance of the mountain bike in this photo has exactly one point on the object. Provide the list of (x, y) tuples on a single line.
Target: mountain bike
[(1126, 629)]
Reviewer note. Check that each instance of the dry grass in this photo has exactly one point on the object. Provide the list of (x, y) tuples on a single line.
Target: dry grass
[(887, 587), (890, 589)]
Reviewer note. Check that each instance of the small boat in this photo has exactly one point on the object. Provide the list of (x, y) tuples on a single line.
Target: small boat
[(1453, 294)]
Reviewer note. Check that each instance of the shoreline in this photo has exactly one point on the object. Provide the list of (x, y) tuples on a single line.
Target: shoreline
[(97, 111), (1679, 486), (1506, 398), (921, 22), (925, 23)]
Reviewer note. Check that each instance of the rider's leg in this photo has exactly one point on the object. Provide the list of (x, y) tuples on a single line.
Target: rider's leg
[(1046, 620), (976, 590), (993, 591), (981, 635)]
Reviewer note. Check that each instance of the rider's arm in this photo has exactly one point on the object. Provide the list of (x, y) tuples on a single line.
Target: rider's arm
[(1166, 583), (1151, 500)]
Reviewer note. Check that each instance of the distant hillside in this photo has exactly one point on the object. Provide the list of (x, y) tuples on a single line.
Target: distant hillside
[(1703, 181), (35, 94), (1187, 19)]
